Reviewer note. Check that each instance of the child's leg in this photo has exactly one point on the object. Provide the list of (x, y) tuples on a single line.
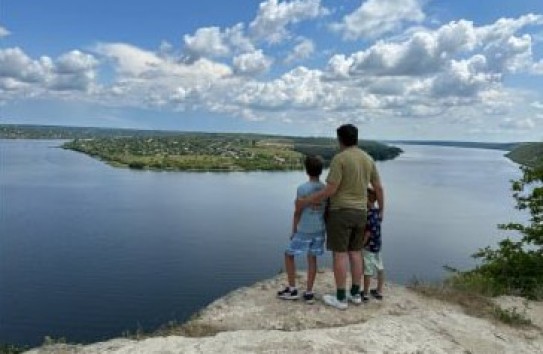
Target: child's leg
[(311, 271), (380, 281), (367, 282), (291, 270), (366, 264)]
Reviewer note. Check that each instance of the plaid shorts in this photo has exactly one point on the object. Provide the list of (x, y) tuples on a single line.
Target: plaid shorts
[(312, 244)]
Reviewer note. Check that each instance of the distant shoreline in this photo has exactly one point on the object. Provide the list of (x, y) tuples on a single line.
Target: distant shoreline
[(524, 153)]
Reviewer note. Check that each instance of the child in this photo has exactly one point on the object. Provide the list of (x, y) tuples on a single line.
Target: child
[(372, 251), (307, 234)]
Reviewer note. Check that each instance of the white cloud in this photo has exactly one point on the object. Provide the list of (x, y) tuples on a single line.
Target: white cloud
[(129, 60), (71, 71), (377, 17), (4, 32), (207, 41), (213, 42), (537, 68), (537, 105), (274, 16), (301, 51), (464, 78), (298, 88), (458, 61), (251, 63), (15, 64), (517, 123), (74, 71)]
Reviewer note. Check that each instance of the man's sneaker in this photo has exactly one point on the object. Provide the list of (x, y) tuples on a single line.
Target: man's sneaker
[(309, 297), (376, 294), (287, 294), (355, 299), (364, 297), (331, 300)]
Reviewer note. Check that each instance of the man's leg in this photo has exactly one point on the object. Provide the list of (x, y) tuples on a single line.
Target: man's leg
[(291, 270), (337, 242), (355, 260), (340, 274)]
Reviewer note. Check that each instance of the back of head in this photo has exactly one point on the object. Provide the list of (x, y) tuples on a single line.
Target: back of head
[(313, 165), (347, 135)]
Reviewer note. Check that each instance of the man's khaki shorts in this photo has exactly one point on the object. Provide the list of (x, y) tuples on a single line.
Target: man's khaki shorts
[(345, 230)]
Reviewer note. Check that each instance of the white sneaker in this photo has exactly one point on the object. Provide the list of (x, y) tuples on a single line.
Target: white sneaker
[(331, 300), (355, 299)]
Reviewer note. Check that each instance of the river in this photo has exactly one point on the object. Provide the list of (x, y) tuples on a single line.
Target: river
[(88, 251)]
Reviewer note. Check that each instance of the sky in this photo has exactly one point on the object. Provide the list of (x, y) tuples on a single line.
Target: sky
[(398, 69)]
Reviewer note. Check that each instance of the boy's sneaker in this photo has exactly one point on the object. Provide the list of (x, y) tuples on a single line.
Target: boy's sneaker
[(309, 297), (288, 294), (364, 297), (331, 300), (355, 299), (376, 294)]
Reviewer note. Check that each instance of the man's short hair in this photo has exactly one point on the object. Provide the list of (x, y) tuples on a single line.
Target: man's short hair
[(313, 165), (347, 135)]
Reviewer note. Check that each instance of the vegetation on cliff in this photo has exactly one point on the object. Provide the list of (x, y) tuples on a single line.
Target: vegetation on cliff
[(515, 266), (529, 154), (217, 152)]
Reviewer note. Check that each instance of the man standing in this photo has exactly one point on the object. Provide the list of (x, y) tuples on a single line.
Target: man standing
[(351, 172)]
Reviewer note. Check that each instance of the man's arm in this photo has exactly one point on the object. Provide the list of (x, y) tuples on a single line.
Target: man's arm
[(380, 194), (317, 197)]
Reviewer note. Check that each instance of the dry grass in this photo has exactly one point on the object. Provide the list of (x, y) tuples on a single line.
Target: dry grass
[(473, 303)]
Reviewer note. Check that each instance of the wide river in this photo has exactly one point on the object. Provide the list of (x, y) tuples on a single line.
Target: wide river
[(88, 251)]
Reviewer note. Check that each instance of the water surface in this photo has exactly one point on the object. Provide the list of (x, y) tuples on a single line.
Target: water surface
[(88, 251)]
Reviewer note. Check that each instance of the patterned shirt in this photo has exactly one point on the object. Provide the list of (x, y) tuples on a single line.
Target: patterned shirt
[(373, 225), (312, 218)]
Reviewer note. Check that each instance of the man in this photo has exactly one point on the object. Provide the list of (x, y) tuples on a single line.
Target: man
[(351, 172)]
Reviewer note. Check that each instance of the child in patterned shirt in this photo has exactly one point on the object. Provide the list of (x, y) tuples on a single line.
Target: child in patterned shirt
[(373, 262)]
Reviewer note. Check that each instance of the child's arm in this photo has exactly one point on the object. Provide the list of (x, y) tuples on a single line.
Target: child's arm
[(367, 235), (295, 221)]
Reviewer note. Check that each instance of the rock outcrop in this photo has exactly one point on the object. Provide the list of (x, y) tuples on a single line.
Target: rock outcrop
[(253, 320)]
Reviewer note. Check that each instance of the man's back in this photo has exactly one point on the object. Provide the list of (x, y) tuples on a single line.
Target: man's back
[(352, 170)]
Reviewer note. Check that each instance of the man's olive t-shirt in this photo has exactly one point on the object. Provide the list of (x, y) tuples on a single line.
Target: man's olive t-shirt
[(351, 170)]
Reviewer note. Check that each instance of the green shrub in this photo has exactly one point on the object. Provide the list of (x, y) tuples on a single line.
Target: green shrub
[(515, 267)]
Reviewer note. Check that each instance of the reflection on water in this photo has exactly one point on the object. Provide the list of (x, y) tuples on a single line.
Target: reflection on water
[(88, 251)]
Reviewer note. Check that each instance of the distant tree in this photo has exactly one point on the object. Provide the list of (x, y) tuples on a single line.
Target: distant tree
[(516, 266)]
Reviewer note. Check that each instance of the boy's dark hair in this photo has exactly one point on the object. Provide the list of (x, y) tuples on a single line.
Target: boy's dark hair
[(313, 165), (347, 135)]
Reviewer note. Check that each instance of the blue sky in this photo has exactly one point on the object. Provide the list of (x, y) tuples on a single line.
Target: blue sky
[(399, 69)]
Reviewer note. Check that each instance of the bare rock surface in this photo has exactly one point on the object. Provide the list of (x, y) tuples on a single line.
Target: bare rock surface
[(253, 320)]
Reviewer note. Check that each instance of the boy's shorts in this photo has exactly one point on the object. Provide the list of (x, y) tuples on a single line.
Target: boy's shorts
[(373, 262), (312, 244)]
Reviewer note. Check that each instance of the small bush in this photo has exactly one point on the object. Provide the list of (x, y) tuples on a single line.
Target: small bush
[(515, 267), (12, 349)]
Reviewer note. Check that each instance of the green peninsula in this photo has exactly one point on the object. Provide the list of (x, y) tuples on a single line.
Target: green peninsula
[(216, 152)]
